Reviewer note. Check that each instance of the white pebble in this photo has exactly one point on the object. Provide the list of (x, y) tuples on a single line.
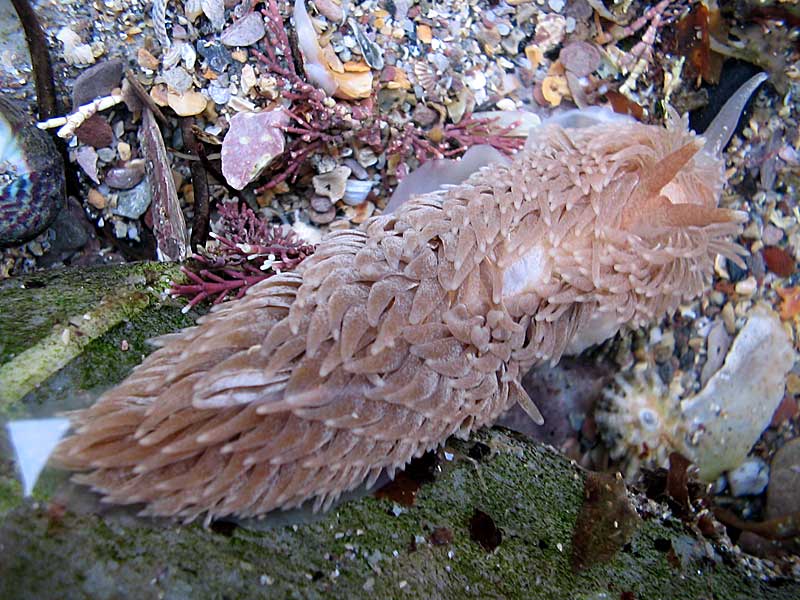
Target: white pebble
[(750, 478)]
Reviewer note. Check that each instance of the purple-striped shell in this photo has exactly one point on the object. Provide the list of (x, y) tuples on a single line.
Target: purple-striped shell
[(32, 184)]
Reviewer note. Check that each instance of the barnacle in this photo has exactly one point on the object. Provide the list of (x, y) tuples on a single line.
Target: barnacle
[(418, 326), (640, 419)]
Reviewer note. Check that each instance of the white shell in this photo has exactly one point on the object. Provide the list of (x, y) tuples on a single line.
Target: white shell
[(356, 191)]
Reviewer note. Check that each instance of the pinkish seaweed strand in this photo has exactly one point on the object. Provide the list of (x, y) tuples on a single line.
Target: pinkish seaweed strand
[(245, 250)]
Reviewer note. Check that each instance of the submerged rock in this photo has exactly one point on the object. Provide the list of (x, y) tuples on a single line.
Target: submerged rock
[(729, 414)]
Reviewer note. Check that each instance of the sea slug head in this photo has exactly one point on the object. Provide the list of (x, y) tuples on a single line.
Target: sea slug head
[(659, 228)]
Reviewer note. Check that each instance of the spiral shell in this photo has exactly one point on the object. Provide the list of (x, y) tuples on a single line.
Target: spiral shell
[(32, 184)]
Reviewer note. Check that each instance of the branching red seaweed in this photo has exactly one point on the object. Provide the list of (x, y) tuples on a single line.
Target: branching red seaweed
[(245, 250)]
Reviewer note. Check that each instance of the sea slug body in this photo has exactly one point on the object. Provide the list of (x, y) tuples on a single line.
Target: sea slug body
[(418, 326)]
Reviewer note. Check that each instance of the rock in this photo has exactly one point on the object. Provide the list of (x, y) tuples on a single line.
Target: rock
[(750, 478), (217, 56), (244, 32), (95, 131), (127, 177), (333, 183), (67, 545), (783, 494), (252, 142), (177, 79), (96, 199), (728, 415), (96, 81), (134, 202), (321, 204), (86, 157), (72, 231)]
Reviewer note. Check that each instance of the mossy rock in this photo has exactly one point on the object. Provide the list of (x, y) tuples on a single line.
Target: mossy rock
[(497, 518)]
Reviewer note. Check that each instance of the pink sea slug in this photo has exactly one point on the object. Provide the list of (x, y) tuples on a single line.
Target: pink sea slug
[(418, 326)]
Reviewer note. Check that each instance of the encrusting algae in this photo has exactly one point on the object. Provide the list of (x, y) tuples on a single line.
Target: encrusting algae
[(418, 326)]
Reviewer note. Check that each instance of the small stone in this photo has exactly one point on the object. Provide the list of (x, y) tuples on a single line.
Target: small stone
[(783, 494), (356, 191), (95, 131), (252, 142), (127, 177), (133, 203), (322, 218), (321, 204), (146, 60), (96, 199), (86, 157), (424, 33), (244, 32), (96, 81), (120, 230), (187, 104), (217, 56), (534, 54), (772, 235), (729, 318), (747, 287), (580, 58), (215, 11), (219, 93), (177, 79), (159, 94), (366, 156), (550, 31), (106, 154), (750, 478), (124, 151), (332, 184)]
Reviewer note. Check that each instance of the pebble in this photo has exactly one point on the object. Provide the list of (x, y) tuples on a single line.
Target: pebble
[(217, 56), (96, 199), (86, 157), (127, 177), (747, 287), (356, 191), (322, 218), (729, 318), (321, 204), (772, 235), (252, 142), (332, 184), (330, 9), (96, 81), (750, 478), (783, 494), (132, 203), (177, 79), (95, 131)]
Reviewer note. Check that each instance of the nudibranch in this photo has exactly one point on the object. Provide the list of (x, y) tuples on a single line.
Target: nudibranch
[(416, 327)]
